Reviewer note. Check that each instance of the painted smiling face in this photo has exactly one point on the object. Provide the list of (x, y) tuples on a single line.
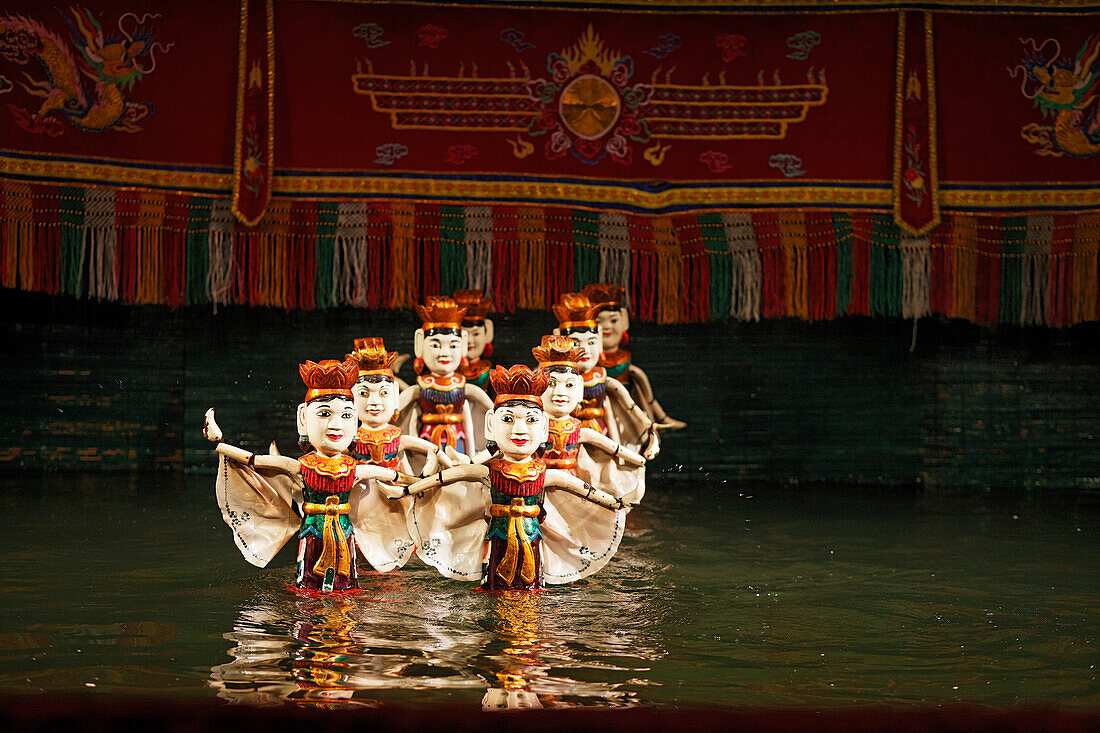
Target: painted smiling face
[(592, 344), (442, 352), (518, 428), (329, 422), (613, 324), (375, 400), (564, 393), (477, 338)]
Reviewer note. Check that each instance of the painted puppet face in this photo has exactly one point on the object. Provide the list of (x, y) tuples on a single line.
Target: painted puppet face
[(477, 337), (563, 394), (592, 344), (375, 401), (330, 423), (517, 429), (443, 352), (613, 325)]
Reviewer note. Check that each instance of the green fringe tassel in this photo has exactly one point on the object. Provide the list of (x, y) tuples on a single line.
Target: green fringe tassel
[(842, 228), (586, 253), (452, 249), (1012, 269), (197, 257), (721, 265), (324, 255), (71, 202), (887, 271)]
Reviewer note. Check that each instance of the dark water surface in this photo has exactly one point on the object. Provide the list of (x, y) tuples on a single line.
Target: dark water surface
[(129, 584)]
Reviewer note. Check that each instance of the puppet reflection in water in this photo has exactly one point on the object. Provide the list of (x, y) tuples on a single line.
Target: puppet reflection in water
[(505, 649)]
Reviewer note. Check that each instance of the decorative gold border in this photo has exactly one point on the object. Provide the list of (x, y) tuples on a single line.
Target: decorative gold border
[(114, 174), (899, 105), (933, 116), (763, 6), (242, 82)]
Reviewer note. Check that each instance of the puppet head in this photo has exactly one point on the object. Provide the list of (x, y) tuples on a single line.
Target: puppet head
[(612, 316), (517, 423), (327, 417), (375, 391), (559, 359), (476, 324), (577, 320), (439, 343)]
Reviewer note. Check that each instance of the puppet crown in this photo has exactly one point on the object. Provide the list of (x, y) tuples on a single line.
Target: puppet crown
[(518, 383), (476, 304), (371, 356), (440, 312), (575, 310), (329, 377), (558, 351), (605, 295)]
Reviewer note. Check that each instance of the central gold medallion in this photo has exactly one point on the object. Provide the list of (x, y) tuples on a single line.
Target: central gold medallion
[(589, 106)]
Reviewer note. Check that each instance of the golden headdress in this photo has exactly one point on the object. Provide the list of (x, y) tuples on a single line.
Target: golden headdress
[(373, 359), (575, 310), (329, 377), (558, 351), (476, 304), (441, 312), (518, 383), (605, 295)]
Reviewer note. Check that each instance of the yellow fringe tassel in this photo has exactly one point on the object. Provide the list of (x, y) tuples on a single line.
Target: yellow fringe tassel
[(669, 271), (965, 236), (531, 283), (792, 236), (404, 256), (1084, 268)]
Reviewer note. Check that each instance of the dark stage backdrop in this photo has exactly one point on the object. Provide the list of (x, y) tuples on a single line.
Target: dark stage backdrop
[(967, 413), (719, 160)]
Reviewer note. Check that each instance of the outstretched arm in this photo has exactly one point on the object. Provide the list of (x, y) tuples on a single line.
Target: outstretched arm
[(606, 444), (213, 433), (365, 471), (444, 477), (559, 479), (652, 407)]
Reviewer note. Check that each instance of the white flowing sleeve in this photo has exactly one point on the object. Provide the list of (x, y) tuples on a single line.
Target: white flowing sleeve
[(448, 526), (381, 525), (601, 470), (578, 537), (258, 506)]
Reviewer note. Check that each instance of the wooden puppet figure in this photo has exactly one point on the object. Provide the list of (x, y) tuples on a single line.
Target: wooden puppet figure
[(605, 406), (256, 493), (437, 408), (614, 321), (578, 450), (379, 442), (478, 328), (532, 540)]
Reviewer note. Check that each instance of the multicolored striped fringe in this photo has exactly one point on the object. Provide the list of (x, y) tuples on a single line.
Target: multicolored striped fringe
[(178, 249)]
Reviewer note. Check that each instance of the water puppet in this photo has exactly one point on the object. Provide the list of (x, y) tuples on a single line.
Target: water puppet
[(441, 406), (606, 406), (614, 321), (385, 539), (257, 493), (578, 450), (478, 328), (546, 526)]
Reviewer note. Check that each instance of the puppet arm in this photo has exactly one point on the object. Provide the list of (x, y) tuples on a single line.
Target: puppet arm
[(477, 394), (606, 444), (468, 423), (444, 477), (213, 433), (661, 419), (365, 471), (559, 479), (617, 391), (435, 457)]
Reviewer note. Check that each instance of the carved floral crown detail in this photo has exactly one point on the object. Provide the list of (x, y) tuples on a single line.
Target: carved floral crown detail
[(329, 377), (558, 351), (575, 310), (605, 295), (371, 356), (476, 304), (518, 383), (440, 312)]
